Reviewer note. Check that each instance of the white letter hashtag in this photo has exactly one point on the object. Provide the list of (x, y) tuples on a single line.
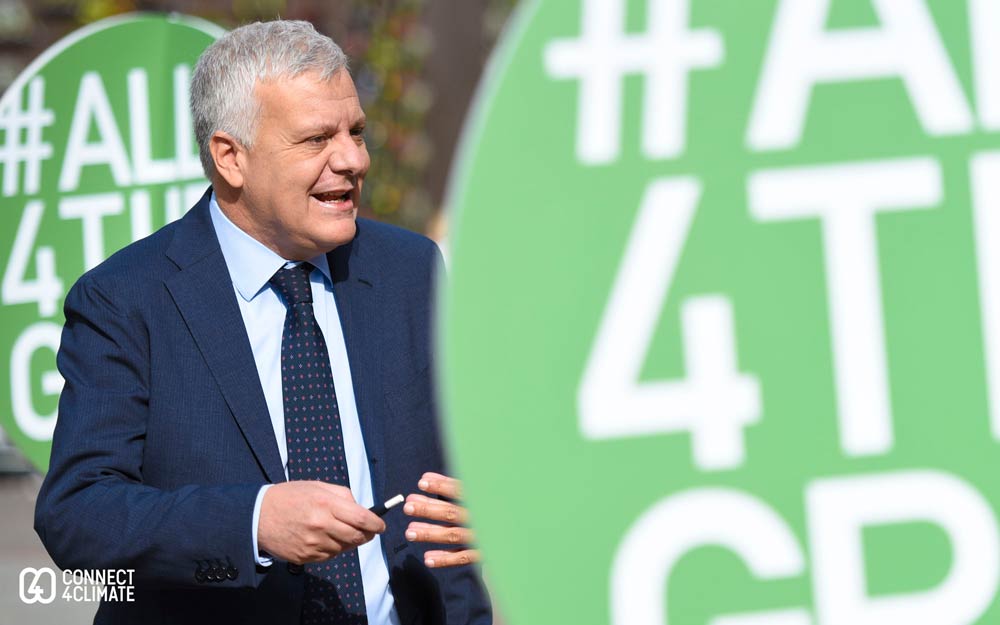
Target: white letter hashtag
[(604, 54), (33, 151)]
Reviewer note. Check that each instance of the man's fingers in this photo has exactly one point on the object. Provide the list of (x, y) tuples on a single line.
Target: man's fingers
[(438, 558), (437, 484), (430, 533), (346, 536), (339, 502), (357, 516), (436, 510), (423, 507)]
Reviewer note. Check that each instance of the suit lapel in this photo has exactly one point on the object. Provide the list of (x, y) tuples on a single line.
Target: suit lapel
[(203, 292), (356, 295)]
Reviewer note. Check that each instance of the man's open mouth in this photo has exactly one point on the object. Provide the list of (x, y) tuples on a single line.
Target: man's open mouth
[(333, 196)]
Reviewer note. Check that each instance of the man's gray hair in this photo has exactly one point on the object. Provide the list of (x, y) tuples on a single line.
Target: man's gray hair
[(222, 87)]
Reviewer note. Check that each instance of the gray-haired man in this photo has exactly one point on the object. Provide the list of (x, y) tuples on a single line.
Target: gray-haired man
[(242, 385)]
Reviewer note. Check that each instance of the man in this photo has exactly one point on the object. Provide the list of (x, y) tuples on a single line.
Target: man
[(242, 385)]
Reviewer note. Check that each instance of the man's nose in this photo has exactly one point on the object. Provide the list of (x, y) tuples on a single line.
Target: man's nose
[(349, 157)]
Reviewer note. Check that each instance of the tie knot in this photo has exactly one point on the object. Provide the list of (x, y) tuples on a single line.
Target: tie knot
[(293, 283)]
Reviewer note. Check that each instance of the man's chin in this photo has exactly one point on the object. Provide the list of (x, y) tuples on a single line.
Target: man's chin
[(342, 234)]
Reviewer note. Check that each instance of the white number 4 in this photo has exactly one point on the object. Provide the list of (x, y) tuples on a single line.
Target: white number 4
[(46, 288), (714, 401)]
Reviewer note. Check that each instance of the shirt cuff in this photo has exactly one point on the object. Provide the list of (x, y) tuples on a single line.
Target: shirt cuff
[(260, 558)]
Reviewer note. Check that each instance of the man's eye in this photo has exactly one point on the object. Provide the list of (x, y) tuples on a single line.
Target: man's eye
[(318, 139), (358, 132)]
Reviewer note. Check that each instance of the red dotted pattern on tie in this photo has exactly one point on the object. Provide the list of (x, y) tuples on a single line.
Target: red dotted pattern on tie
[(334, 594)]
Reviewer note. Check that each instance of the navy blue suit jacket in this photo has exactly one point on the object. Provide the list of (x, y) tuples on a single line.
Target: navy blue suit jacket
[(164, 438)]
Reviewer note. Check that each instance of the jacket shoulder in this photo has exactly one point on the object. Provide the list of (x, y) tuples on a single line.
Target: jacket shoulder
[(133, 270)]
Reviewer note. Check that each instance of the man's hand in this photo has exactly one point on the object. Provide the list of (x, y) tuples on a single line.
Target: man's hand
[(310, 521), (436, 510)]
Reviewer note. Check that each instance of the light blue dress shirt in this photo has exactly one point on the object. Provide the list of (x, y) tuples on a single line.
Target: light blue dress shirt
[(251, 265)]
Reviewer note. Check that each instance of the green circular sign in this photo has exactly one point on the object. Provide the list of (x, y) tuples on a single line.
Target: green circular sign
[(96, 151), (722, 332)]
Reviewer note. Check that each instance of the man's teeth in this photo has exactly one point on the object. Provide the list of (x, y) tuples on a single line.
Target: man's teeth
[(332, 197)]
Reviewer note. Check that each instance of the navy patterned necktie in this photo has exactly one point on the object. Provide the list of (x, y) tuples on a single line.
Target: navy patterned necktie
[(334, 594)]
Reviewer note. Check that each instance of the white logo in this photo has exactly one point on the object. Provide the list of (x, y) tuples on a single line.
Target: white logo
[(34, 591)]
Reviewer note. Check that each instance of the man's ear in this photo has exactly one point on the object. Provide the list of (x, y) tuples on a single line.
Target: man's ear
[(226, 152)]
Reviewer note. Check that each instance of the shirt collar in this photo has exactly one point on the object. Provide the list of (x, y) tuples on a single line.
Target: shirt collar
[(251, 263)]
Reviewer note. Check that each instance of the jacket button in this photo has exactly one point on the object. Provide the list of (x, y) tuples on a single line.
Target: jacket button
[(232, 573), (295, 569)]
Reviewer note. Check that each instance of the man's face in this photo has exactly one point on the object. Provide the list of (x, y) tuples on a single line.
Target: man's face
[(303, 176)]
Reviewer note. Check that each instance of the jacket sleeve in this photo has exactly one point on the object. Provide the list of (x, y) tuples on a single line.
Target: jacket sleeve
[(94, 511), (466, 600)]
